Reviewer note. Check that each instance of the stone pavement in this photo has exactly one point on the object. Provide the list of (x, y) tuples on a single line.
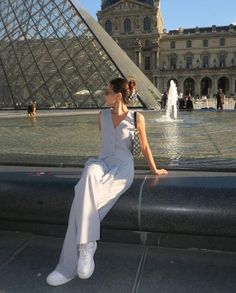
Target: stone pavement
[(186, 209), (26, 259)]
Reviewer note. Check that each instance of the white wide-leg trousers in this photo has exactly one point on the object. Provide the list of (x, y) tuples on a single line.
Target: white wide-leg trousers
[(96, 192)]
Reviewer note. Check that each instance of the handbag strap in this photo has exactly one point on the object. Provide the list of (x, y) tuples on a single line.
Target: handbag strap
[(135, 119)]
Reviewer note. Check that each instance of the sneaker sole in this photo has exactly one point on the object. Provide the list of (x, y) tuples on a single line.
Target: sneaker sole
[(55, 284)]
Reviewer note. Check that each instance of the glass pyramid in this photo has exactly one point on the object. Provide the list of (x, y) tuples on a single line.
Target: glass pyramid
[(53, 52)]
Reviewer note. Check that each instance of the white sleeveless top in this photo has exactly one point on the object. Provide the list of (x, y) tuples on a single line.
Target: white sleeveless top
[(116, 142)]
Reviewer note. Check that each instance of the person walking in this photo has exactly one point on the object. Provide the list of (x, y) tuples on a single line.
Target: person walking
[(164, 99), (102, 182), (220, 100), (189, 104)]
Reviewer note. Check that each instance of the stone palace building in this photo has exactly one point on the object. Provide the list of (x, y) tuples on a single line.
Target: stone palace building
[(200, 60)]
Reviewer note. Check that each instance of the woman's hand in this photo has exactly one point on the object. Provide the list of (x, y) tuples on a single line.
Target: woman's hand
[(159, 172)]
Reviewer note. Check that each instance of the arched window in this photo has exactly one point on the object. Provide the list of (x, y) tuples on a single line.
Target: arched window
[(189, 87), (108, 26), (223, 83), (206, 86), (127, 25), (147, 24)]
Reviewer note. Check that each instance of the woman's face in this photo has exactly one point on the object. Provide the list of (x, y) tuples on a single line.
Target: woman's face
[(110, 96)]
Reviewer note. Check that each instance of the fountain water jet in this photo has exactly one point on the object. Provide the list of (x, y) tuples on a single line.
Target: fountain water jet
[(172, 101), (171, 104)]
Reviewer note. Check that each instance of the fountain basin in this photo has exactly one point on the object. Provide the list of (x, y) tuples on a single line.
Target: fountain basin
[(198, 140)]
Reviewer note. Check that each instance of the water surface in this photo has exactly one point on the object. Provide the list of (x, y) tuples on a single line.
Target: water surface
[(199, 139)]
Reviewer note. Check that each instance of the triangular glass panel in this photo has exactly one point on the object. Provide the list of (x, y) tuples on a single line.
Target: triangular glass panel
[(53, 52)]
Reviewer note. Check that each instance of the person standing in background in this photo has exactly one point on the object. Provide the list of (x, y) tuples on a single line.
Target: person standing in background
[(220, 100)]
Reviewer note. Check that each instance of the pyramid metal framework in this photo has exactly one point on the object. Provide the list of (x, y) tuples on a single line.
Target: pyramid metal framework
[(53, 52)]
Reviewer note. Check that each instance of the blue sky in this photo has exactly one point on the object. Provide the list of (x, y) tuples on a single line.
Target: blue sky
[(186, 13)]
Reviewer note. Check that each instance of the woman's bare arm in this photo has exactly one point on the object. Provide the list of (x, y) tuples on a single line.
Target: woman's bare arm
[(145, 147)]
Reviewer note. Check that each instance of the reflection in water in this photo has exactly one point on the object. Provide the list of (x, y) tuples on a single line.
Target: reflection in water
[(172, 141), (32, 119)]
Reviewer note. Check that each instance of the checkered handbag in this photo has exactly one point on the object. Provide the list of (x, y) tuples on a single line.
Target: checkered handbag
[(136, 151)]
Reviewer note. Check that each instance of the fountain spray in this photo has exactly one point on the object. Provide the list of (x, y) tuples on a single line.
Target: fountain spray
[(172, 101)]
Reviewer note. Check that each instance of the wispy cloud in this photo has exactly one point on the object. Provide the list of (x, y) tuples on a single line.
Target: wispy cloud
[(234, 22)]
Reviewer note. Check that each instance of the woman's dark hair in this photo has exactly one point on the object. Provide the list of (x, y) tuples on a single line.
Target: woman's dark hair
[(121, 85)]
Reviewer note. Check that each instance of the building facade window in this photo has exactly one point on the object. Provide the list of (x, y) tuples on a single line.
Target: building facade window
[(232, 61), (189, 44), (222, 42), (189, 62), (222, 60), (108, 26), (173, 62), (172, 45), (147, 24), (147, 64), (156, 81), (189, 87), (127, 25), (205, 43), (205, 61), (137, 58), (155, 59), (147, 44)]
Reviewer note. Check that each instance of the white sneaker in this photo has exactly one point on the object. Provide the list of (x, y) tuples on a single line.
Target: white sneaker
[(56, 279), (86, 263)]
